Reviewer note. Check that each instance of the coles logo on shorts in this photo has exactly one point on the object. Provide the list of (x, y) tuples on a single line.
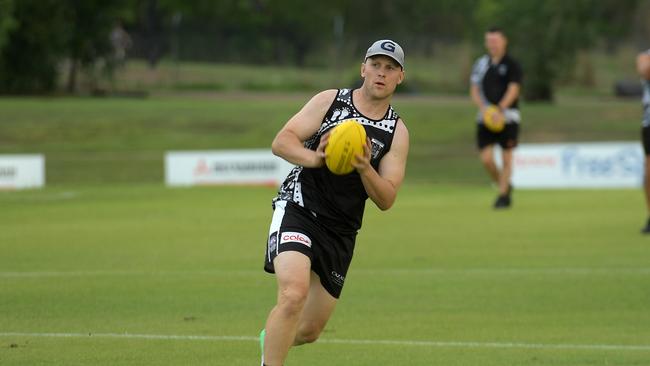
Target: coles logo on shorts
[(293, 237)]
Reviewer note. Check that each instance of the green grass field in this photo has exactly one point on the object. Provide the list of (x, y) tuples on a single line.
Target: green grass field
[(144, 275)]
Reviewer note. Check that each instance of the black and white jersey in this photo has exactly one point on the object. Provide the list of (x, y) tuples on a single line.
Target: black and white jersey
[(646, 103), (338, 200), (493, 79), (646, 100)]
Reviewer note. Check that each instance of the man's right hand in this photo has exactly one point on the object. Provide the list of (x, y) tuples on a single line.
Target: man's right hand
[(320, 151)]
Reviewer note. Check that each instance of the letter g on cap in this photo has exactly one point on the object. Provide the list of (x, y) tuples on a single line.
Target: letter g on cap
[(388, 46)]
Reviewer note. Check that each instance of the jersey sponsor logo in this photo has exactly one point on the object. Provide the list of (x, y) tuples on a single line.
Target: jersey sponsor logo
[(338, 278), (377, 147), (503, 69), (294, 237), (388, 46)]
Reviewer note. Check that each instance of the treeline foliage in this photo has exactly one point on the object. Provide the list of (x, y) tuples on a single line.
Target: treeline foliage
[(41, 38), (41, 34)]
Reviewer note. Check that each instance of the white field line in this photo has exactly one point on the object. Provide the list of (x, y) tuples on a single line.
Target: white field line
[(370, 342), (573, 271)]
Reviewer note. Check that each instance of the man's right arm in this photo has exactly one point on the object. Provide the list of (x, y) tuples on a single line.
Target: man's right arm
[(476, 97), (289, 142), (474, 88)]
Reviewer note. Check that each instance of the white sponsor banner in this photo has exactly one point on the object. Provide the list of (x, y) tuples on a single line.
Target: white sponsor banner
[(255, 167), (578, 165), (22, 171)]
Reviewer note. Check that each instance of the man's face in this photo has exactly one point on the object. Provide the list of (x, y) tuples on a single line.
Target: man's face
[(495, 43), (381, 75)]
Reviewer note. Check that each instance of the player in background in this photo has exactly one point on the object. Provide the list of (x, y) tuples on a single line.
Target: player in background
[(317, 214), (496, 80), (643, 68)]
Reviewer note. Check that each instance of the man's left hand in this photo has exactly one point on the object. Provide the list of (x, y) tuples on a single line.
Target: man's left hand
[(362, 162)]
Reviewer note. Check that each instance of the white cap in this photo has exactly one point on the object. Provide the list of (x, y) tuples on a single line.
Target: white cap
[(388, 48)]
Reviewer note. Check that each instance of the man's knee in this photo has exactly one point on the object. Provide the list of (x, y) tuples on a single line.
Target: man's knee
[(292, 299), (486, 158)]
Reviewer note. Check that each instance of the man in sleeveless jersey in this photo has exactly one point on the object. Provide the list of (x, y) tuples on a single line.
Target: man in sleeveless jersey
[(496, 80), (317, 214), (643, 67)]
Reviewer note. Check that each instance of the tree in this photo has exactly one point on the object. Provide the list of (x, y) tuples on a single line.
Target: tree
[(7, 22), (296, 27), (34, 45), (45, 32), (87, 37)]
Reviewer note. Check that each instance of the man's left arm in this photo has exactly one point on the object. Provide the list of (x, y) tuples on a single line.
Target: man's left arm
[(512, 93), (382, 184), (514, 87)]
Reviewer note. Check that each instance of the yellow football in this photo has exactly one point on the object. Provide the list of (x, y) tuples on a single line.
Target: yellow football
[(346, 140), (491, 121)]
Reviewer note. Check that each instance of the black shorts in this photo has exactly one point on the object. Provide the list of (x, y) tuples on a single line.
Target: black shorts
[(508, 138), (295, 228), (645, 138)]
